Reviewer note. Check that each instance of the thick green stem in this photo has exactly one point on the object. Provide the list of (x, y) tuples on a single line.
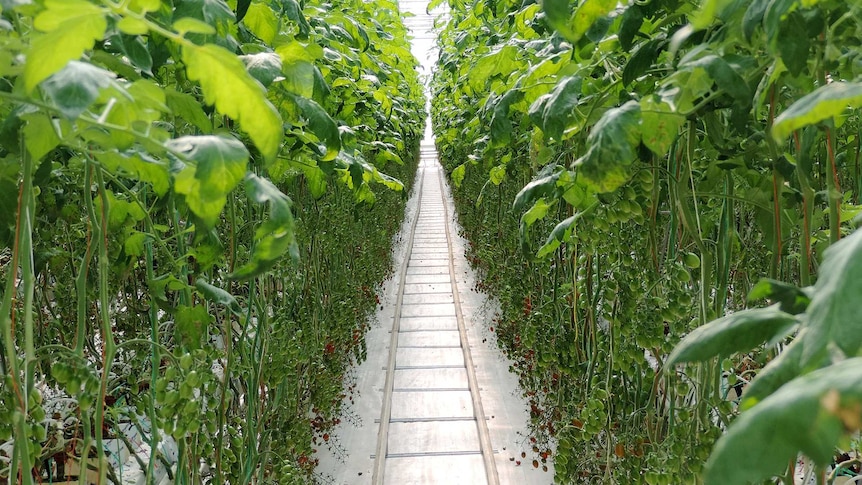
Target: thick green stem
[(155, 361), (83, 269), (109, 345)]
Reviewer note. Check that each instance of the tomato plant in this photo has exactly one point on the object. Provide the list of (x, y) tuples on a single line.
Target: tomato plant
[(197, 196), (632, 171)]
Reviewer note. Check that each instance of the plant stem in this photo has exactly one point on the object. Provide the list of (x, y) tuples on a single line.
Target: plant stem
[(833, 189)]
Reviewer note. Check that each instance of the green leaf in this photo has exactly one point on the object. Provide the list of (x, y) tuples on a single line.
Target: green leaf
[(72, 27), (191, 325), (132, 26), (298, 69), (137, 166), (630, 25), (793, 43), (559, 108), (242, 9), (833, 315), (501, 126), (502, 61), (134, 243), (40, 137), (74, 88), (293, 11), (497, 174), (659, 124), (588, 13), (191, 25), (275, 236), (561, 233), (458, 174), (264, 66), (779, 371), (612, 148), (144, 6), (642, 60), (737, 332), (136, 51), (573, 27), (725, 77), (709, 11), (807, 415), (321, 124), (826, 102), (219, 165), (217, 295), (537, 212), (753, 17), (261, 21), (792, 299), (233, 91), (542, 186), (189, 108), (212, 12)]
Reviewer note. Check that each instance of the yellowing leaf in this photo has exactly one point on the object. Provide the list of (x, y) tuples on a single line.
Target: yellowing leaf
[(262, 22), (72, 27), (458, 174), (233, 91), (191, 25), (132, 26), (144, 6)]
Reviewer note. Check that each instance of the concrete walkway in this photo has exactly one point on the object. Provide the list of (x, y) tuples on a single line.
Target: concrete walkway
[(434, 402)]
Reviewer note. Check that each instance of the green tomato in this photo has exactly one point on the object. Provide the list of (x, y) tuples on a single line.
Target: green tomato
[(692, 260)]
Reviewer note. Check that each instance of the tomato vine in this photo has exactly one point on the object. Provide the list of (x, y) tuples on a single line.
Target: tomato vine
[(198, 200), (631, 173)]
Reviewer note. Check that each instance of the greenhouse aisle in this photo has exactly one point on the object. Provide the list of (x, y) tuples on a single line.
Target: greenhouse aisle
[(434, 402)]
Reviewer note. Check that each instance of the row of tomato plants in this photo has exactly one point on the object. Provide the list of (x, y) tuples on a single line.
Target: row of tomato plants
[(639, 172), (198, 201)]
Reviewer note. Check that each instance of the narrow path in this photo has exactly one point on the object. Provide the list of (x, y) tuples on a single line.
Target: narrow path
[(434, 402), (432, 425)]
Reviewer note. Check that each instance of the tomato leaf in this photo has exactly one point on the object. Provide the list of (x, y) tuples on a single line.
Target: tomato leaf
[(263, 66), (234, 92), (321, 124), (187, 107), (72, 27), (783, 369), (737, 332), (833, 315), (217, 295), (276, 236), (554, 112), (792, 299), (137, 166), (261, 21), (241, 9), (826, 102), (659, 124), (458, 174), (191, 324), (74, 88), (219, 164), (502, 61), (807, 415), (573, 27), (542, 186), (501, 125), (613, 143), (293, 12)]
